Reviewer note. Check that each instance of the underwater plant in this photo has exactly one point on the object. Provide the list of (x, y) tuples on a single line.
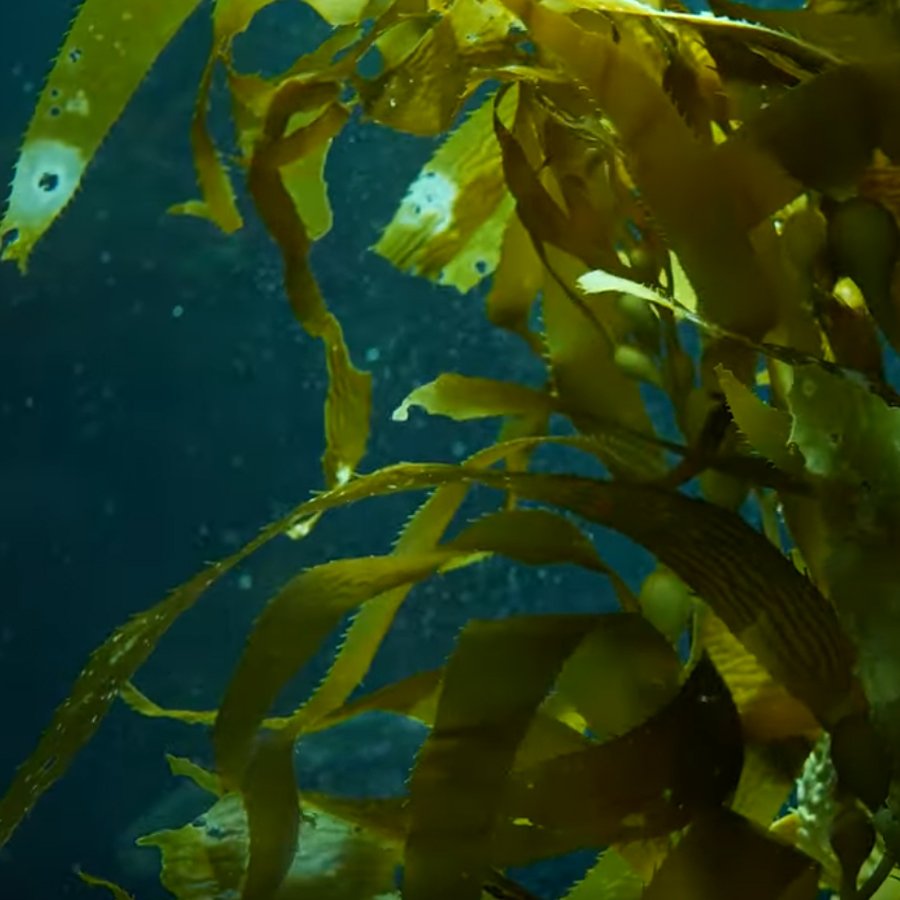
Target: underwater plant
[(703, 209)]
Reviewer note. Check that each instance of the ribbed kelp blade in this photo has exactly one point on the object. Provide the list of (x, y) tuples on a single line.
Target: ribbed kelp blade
[(110, 47), (496, 678), (654, 779), (287, 634), (723, 855), (772, 609), (768, 711)]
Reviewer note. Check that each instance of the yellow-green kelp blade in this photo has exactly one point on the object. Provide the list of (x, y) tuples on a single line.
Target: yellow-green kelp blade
[(109, 49), (118, 893)]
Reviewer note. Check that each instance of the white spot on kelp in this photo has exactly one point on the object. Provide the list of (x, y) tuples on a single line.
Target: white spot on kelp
[(429, 202), (46, 178)]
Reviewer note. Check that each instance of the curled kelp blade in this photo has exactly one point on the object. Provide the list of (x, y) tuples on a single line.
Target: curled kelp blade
[(349, 398), (496, 678), (685, 759), (269, 792), (465, 397), (110, 47), (724, 855)]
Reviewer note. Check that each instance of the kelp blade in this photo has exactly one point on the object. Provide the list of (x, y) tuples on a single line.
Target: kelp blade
[(496, 678), (684, 760), (110, 48), (723, 855)]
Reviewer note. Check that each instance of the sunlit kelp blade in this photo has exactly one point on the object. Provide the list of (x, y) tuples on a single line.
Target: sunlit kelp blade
[(768, 711), (110, 48), (495, 679), (684, 760), (724, 855), (450, 224)]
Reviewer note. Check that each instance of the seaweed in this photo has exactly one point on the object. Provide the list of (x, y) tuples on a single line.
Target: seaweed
[(704, 209)]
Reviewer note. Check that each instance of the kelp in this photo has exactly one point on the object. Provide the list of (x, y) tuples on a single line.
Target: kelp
[(649, 181)]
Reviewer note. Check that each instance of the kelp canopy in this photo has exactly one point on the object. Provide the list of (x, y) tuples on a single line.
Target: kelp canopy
[(639, 174)]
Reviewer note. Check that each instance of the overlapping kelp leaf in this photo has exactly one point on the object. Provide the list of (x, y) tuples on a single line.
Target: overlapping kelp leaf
[(637, 171)]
